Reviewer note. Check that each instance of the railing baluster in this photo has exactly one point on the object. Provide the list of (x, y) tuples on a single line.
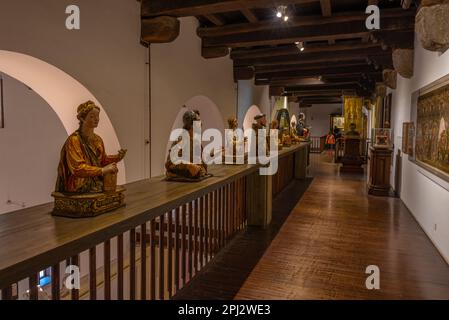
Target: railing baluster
[(132, 264), (161, 258), (195, 235), (222, 214), (228, 212), (120, 267), (201, 240), (170, 254), (207, 229), (143, 262), (233, 209), (153, 259), (219, 215), (177, 249), (107, 270), (209, 225), (183, 245), (75, 294), (55, 282), (190, 243), (93, 273), (212, 223), (34, 290), (217, 220)]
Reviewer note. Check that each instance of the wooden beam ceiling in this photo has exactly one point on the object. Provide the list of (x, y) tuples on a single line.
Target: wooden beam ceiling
[(288, 35), (184, 8), (341, 55)]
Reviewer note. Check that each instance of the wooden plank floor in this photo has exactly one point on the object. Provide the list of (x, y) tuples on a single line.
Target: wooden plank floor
[(319, 247)]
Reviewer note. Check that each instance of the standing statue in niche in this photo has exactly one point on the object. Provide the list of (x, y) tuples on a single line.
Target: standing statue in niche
[(87, 177), (187, 171)]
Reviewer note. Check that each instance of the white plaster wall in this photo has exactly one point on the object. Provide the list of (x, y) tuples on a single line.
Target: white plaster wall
[(30, 145), (105, 55), (251, 95), (179, 73), (317, 117), (424, 194)]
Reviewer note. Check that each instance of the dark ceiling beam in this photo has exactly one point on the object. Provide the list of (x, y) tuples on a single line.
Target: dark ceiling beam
[(315, 95), (333, 100), (326, 8), (395, 40), (370, 2), (304, 58), (292, 49), (326, 11), (344, 30), (326, 87), (218, 21), (184, 8), (376, 77), (249, 15), (300, 21), (324, 71), (301, 67)]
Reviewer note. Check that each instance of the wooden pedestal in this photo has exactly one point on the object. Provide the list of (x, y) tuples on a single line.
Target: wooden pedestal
[(87, 205), (379, 171)]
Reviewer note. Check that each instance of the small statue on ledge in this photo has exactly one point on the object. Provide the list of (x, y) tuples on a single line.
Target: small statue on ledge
[(87, 177), (274, 125), (294, 136), (301, 130), (231, 139), (187, 171)]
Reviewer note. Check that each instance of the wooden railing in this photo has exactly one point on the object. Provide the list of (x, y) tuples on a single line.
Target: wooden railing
[(149, 249), (317, 144)]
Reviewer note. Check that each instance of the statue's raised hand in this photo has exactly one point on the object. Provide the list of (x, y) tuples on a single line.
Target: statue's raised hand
[(122, 153)]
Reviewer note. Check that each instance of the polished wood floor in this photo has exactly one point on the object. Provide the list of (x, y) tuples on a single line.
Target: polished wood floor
[(325, 232)]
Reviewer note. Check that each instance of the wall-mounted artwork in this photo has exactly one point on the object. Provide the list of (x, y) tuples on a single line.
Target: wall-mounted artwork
[(432, 130), (408, 134), (338, 121)]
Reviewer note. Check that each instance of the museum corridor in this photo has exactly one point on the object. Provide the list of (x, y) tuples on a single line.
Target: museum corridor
[(323, 237)]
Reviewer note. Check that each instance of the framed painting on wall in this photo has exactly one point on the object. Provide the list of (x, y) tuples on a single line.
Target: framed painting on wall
[(408, 134), (432, 128), (337, 121)]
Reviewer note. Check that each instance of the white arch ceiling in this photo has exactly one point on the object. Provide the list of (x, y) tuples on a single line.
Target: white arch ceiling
[(62, 92)]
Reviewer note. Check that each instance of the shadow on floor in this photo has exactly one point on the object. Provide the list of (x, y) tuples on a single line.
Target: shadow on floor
[(222, 278)]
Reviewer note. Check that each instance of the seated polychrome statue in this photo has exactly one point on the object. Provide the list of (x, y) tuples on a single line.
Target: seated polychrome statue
[(87, 177), (238, 147), (187, 171)]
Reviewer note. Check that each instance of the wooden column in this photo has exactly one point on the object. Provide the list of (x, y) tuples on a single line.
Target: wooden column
[(259, 199)]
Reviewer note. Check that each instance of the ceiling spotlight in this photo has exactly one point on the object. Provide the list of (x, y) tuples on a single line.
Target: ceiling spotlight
[(282, 13), (300, 46)]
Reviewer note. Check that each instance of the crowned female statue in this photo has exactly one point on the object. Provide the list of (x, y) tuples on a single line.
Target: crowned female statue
[(87, 176)]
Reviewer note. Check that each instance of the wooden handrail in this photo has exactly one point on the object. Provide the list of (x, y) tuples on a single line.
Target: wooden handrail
[(32, 239)]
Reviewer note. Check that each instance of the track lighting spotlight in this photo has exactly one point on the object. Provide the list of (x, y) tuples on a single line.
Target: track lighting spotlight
[(282, 13), (300, 45)]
